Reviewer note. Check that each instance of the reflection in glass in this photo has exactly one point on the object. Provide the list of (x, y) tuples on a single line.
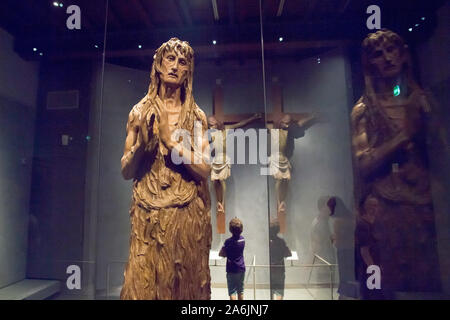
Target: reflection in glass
[(389, 135)]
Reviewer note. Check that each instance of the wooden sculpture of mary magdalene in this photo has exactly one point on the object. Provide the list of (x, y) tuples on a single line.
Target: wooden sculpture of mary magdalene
[(390, 133), (170, 210)]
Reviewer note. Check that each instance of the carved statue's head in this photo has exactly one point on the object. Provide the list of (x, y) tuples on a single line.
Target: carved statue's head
[(213, 123), (384, 54), (385, 57), (173, 63), (284, 121)]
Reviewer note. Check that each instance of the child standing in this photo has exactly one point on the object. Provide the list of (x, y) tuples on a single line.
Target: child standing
[(278, 251), (233, 250)]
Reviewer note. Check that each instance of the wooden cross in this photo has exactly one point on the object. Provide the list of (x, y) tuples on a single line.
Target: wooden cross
[(225, 119), (277, 103), (218, 107), (270, 118)]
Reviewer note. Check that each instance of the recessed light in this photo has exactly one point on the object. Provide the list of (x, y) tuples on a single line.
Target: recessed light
[(423, 18), (61, 5), (41, 54), (410, 29), (96, 46), (280, 39), (140, 46), (417, 24), (56, 4), (214, 42), (34, 49)]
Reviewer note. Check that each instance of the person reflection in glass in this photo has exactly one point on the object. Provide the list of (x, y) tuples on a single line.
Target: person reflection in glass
[(278, 251), (320, 229), (367, 249), (287, 130), (342, 237)]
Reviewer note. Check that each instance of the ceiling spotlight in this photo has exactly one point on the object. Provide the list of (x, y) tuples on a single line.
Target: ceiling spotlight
[(61, 5), (417, 24), (41, 54), (214, 42), (280, 39), (96, 46), (34, 49), (410, 29), (56, 4), (140, 46), (423, 18)]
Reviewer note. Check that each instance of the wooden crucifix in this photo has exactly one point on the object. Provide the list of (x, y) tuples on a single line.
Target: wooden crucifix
[(289, 126), (221, 164)]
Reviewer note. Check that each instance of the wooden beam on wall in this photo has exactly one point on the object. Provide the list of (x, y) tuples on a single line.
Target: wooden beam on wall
[(143, 13), (343, 6), (184, 11), (113, 17)]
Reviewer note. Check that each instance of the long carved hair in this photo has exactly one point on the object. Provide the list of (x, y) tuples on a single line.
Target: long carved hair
[(183, 47), (370, 73), (378, 129), (187, 99)]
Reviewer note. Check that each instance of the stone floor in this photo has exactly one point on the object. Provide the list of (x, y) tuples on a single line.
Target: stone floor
[(222, 294)]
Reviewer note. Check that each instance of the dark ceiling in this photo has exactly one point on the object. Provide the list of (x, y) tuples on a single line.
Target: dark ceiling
[(305, 25)]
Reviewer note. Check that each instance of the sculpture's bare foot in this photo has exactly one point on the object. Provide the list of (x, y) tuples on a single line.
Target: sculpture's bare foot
[(282, 207), (220, 214), (282, 216), (220, 208)]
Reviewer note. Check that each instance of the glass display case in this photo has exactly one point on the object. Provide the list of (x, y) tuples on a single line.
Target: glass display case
[(324, 128)]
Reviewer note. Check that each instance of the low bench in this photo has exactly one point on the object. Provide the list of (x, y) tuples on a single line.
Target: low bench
[(30, 289)]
